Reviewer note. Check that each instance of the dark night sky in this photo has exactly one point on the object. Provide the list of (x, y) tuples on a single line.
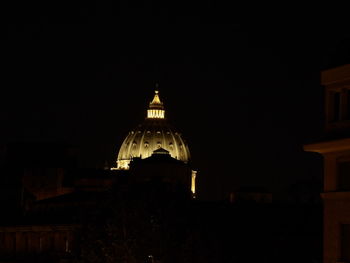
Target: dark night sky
[(242, 85)]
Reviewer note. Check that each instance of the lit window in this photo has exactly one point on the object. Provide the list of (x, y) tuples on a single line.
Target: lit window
[(66, 245)]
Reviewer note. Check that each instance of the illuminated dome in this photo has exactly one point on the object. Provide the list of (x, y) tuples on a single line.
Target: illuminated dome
[(152, 134)]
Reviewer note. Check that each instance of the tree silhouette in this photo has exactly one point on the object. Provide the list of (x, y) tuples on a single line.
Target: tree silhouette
[(136, 226)]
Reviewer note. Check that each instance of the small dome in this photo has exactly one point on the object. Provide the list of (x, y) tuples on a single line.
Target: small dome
[(153, 134)]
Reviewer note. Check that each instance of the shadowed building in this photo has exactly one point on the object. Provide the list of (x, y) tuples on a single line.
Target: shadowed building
[(251, 195), (160, 167), (335, 149)]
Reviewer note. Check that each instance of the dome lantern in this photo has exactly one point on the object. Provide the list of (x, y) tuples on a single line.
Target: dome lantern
[(156, 108)]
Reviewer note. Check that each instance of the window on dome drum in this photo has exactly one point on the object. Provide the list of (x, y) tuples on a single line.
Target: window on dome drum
[(345, 243), (66, 243), (344, 175)]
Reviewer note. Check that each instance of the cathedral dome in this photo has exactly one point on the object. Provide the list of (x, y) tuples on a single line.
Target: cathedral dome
[(154, 133)]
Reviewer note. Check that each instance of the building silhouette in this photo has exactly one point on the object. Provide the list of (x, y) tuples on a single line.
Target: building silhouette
[(335, 149), (52, 198), (143, 210)]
